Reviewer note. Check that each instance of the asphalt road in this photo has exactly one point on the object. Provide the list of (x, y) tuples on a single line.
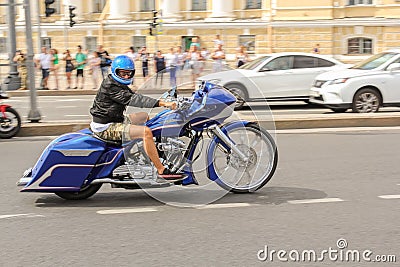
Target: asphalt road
[(76, 108), (329, 185)]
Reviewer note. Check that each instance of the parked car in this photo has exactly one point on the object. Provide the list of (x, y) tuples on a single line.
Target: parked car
[(275, 77), (365, 87)]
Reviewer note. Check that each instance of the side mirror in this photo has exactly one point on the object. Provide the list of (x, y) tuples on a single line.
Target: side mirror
[(264, 70), (393, 67)]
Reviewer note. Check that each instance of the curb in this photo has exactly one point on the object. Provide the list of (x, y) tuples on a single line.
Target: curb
[(281, 123)]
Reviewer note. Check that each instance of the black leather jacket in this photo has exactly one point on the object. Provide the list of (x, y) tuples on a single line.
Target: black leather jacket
[(113, 98)]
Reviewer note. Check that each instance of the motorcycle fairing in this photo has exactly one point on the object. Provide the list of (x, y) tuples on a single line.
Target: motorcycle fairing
[(66, 163)]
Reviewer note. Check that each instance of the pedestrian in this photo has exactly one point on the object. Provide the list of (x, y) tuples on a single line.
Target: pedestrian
[(81, 60), (196, 42), (316, 49), (131, 53), (194, 57), (44, 64), (241, 56), (69, 66), (217, 41), (20, 58), (133, 56), (144, 58), (218, 56), (94, 64), (181, 57), (108, 108), (171, 60), (159, 65), (54, 65), (105, 61)]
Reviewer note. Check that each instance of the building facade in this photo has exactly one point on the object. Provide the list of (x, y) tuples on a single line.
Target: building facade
[(347, 29)]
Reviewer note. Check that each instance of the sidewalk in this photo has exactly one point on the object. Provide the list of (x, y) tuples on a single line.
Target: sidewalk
[(282, 122)]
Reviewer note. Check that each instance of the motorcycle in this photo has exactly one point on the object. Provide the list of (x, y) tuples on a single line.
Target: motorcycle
[(241, 156), (10, 121)]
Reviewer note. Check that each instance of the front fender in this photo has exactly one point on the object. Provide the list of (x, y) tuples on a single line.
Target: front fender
[(215, 141)]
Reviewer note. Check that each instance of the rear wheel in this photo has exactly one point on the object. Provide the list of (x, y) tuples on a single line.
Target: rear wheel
[(367, 101), (10, 123), (236, 175), (240, 93), (84, 193)]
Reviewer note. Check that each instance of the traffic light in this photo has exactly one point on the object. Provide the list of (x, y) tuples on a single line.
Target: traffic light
[(155, 18), (49, 10), (71, 16)]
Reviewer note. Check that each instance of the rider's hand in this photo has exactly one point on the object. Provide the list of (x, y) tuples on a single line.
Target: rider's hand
[(170, 105)]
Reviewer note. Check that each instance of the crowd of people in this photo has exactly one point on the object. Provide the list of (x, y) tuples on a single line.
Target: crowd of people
[(97, 64)]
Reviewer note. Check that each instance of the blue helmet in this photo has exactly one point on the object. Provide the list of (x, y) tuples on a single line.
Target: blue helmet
[(123, 64)]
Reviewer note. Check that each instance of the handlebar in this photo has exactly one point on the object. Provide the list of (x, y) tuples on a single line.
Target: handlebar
[(184, 103)]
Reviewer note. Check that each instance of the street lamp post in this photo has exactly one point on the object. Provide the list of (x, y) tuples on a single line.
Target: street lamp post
[(12, 82), (34, 114)]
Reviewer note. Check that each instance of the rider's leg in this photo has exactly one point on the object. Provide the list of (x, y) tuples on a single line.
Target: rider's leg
[(148, 143), (138, 118)]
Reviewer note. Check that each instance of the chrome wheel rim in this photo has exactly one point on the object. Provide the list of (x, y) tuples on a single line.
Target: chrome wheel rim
[(9, 123), (367, 102), (245, 175)]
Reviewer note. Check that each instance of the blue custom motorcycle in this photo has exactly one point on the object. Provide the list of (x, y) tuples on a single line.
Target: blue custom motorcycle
[(240, 157)]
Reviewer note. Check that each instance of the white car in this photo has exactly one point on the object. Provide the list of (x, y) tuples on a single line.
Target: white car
[(277, 76), (364, 87)]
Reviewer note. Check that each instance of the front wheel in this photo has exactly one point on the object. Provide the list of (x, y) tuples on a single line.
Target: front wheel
[(10, 123), (236, 175), (366, 100), (84, 193)]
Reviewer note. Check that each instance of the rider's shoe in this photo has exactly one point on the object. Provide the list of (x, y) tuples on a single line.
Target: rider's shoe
[(169, 176)]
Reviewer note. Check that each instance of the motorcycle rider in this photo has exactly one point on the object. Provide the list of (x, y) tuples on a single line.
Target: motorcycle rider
[(109, 105)]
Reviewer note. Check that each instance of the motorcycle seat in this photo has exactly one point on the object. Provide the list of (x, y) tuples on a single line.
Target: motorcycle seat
[(108, 142)]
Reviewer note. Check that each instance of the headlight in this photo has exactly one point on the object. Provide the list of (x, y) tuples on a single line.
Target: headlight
[(338, 81)]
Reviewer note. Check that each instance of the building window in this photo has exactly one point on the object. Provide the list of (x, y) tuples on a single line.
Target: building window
[(253, 4), (147, 5), (249, 42), (3, 45), (199, 5), (45, 42), (138, 42), (359, 2), (98, 5), (359, 46), (91, 43), (57, 6)]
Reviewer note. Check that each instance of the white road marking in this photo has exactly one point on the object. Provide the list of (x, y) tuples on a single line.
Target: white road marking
[(225, 205), (311, 201), (123, 211), (390, 196), (67, 107), (69, 100), (29, 215), (345, 129)]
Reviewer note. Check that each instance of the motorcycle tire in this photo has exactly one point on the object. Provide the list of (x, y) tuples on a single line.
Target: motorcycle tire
[(266, 177), (7, 131), (85, 193)]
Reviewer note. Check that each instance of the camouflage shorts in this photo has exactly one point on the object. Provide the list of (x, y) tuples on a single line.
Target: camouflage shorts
[(115, 132)]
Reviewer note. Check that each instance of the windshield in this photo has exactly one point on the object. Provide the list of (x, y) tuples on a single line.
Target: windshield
[(374, 61), (254, 64)]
